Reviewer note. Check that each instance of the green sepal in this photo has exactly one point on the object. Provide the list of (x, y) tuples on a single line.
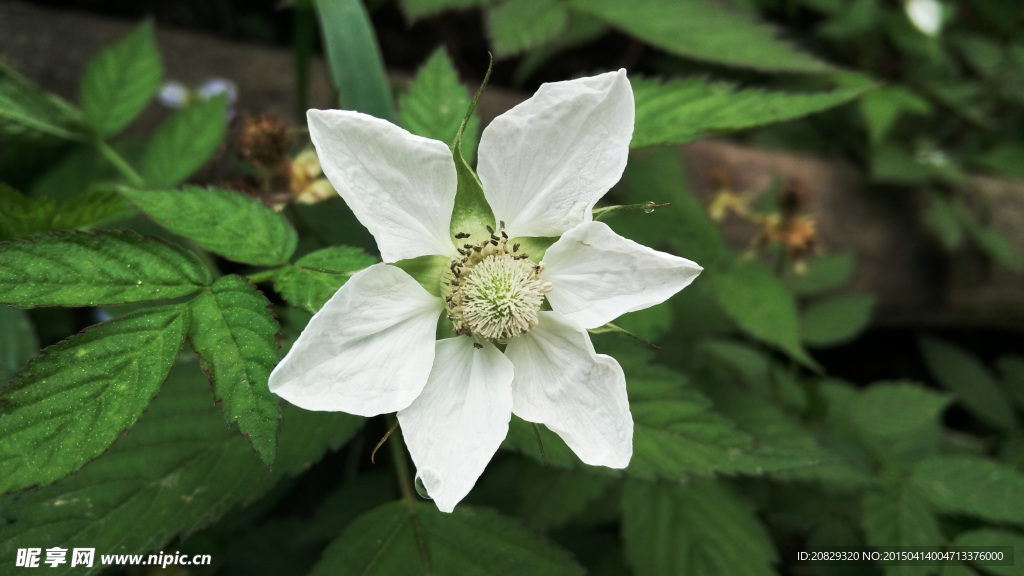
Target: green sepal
[(428, 270), (646, 207), (471, 214), (610, 328), (534, 246)]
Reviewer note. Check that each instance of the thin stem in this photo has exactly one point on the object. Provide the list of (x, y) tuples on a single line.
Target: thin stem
[(401, 466), (263, 275), (120, 163)]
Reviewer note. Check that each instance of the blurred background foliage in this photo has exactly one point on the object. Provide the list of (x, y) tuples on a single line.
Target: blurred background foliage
[(774, 409)]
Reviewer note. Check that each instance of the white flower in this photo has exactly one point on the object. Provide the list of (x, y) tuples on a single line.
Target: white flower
[(372, 350), (926, 15)]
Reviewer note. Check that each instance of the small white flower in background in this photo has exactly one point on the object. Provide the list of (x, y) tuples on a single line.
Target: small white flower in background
[(925, 15), (174, 94), (372, 350)]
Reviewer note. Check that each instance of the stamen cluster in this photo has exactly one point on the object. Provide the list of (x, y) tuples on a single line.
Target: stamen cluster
[(494, 293)]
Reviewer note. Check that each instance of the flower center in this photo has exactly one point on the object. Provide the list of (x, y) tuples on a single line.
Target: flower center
[(495, 293)]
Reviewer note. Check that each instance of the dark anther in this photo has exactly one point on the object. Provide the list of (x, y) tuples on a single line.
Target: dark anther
[(501, 224), (467, 246), (478, 345), (494, 242), (462, 235), (490, 230), (478, 248), (461, 251), (503, 235), (515, 247), (454, 283)]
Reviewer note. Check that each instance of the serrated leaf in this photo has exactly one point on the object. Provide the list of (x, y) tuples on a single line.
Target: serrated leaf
[(960, 372), (824, 273), (353, 58), (78, 397), (403, 538), (759, 302), (676, 434), (704, 30), (900, 516), (972, 485), (680, 111), (836, 319), (436, 102), (549, 498), (85, 269), (179, 470), (658, 176), (27, 111), (990, 537), (184, 142), (416, 9), (18, 341), (697, 528), (899, 422), (227, 222), (234, 331), (315, 277), (21, 217), (121, 80), (515, 26)]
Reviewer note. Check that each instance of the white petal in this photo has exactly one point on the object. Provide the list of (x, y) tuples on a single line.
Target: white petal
[(457, 423), (546, 162), (580, 395), (597, 275), (926, 15), (368, 351), (400, 186)]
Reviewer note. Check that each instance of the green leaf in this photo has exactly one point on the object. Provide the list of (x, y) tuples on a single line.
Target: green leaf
[(227, 222), (515, 26), (676, 434), (18, 341), (184, 142), (402, 538), (824, 273), (471, 214), (315, 277), (416, 9), (942, 217), (121, 80), (233, 332), (21, 217), (1012, 370), (179, 470), (759, 302), (698, 528), (436, 103), (960, 372), (78, 397), (26, 111), (988, 537), (882, 106), (899, 516), (658, 176), (353, 58), (549, 498), (900, 423), (704, 30), (84, 269), (680, 111), (972, 485), (836, 319)]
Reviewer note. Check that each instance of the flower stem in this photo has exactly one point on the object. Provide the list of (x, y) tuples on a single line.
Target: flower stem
[(401, 465), (120, 163)]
